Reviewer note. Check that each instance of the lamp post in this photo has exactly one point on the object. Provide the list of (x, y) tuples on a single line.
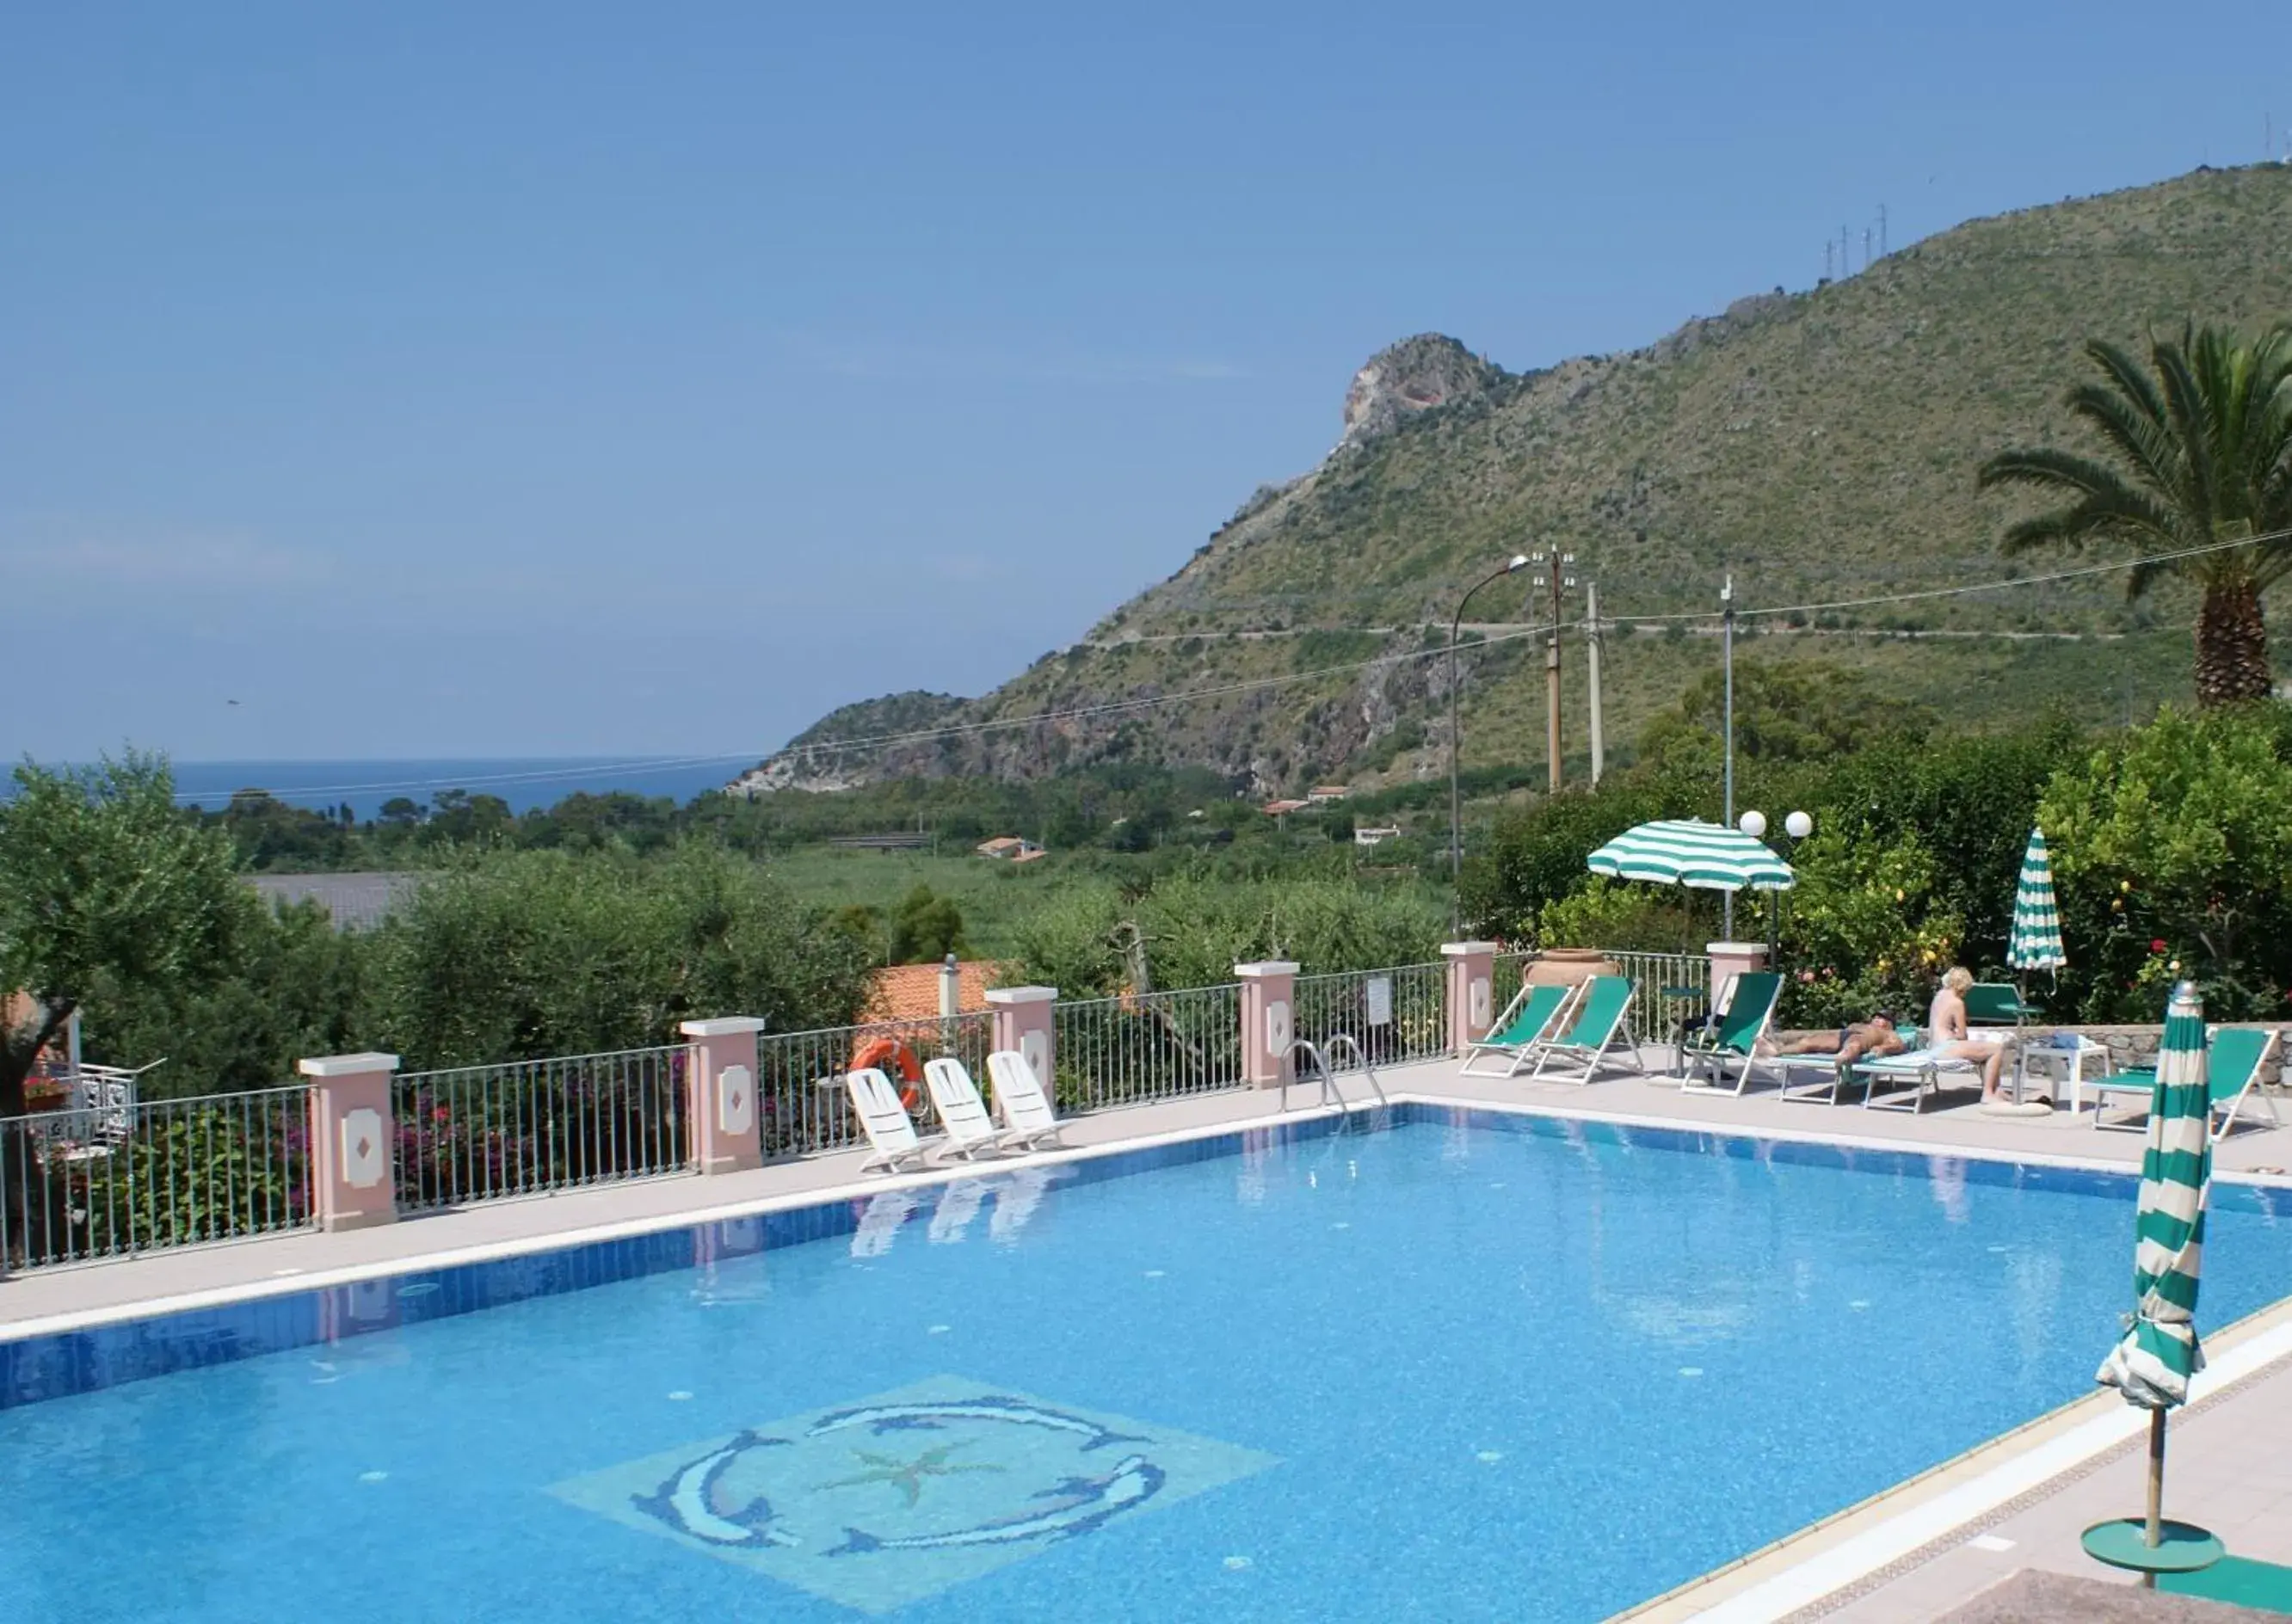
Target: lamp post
[(1798, 825), (1558, 564), (1727, 729), (1519, 561)]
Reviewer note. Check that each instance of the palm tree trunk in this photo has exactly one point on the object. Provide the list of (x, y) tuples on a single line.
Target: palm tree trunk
[(2231, 644)]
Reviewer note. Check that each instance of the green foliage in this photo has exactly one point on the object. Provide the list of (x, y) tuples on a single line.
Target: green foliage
[(520, 953), (1193, 930), (925, 927), (208, 1173), (103, 878), (2180, 833), (1864, 930), (1805, 712)]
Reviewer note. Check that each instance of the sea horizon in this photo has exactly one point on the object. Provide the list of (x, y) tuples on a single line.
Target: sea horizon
[(525, 782)]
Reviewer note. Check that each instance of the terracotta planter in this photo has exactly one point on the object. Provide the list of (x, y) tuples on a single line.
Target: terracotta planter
[(1564, 966)]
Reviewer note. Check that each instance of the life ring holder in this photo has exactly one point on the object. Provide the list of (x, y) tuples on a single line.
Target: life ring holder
[(901, 1059)]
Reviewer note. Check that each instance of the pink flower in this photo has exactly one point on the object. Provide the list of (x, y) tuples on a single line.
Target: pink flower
[(441, 1115), (2158, 945)]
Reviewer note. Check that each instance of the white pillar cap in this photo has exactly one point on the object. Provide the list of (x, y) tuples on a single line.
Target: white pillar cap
[(346, 1066), (1270, 967), (722, 1026), (1459, 949), (1021, 995)]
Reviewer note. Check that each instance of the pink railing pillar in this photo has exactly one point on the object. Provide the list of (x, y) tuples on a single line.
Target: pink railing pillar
[(1471, 992), (353, 1127), (1023, 1022), (719, 1092), (1269, 995), (1732, 958)]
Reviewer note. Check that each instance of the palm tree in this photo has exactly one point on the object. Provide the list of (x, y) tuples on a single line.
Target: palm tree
[(2200, 452)]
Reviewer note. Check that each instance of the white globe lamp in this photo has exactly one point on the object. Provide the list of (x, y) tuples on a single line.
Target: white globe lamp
[(1799, 825), (1752, 823)]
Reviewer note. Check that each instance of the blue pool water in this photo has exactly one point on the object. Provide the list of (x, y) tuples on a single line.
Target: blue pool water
[(1473, 1367)]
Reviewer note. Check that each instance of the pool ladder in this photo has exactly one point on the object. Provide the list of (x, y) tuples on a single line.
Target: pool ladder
[(1320, 1055)]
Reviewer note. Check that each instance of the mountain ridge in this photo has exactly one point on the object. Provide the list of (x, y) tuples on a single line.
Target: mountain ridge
[(1820, 446)]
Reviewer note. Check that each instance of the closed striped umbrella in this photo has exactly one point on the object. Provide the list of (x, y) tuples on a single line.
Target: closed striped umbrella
[(2036, 942), (2153, 1365), (1706, 856)]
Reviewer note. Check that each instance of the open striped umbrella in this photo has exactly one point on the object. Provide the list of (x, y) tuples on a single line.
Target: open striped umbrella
[(2152, 1366), (1706, 856), (2036, 942)]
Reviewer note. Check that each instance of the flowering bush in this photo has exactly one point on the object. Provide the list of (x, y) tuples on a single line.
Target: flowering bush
[(1863, 928)]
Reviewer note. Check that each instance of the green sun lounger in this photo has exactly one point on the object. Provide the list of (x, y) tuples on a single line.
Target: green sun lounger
[(1747, 1008), (2234, 1058), (1597, 1039), (1533, 1012), (2237, 1581)]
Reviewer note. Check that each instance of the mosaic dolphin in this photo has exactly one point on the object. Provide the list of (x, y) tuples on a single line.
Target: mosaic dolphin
[(1075, 1507), (928, 1417), (689, 1502)]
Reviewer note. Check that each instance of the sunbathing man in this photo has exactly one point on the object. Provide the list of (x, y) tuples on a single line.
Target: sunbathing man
[(1872, 1039), (1950, 1040)]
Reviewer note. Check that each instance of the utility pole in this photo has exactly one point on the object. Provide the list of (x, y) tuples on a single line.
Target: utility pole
[(1727, 725), (1557, 564), (1592, 661)]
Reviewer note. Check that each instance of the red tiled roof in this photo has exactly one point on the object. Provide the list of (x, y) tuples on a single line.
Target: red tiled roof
[(910, 992)]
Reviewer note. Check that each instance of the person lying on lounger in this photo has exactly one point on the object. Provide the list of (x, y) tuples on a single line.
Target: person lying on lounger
[(1950, 1040), (1866, 1040)]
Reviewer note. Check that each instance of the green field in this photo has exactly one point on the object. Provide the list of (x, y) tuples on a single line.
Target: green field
[(992, 895)]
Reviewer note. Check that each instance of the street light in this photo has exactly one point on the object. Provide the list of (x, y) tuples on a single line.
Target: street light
[(1518, 561), (1798, 825)]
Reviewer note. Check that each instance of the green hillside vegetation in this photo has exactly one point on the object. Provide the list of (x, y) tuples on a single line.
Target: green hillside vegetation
[(1821, 447)]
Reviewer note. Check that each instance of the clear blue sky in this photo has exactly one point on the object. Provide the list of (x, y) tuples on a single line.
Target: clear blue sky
[(545, 379)]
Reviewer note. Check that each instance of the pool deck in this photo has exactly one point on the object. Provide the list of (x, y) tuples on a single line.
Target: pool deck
[(1913, 1553)]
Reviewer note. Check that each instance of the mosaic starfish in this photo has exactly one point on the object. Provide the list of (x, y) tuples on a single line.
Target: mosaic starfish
[(908, 1475)]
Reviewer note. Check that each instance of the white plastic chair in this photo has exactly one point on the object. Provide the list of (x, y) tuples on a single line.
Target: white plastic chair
[(1028, 1121), (961, 1112), (891, 1134)]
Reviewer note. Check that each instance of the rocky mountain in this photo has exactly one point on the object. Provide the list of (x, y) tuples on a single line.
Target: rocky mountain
[(1818, 446)]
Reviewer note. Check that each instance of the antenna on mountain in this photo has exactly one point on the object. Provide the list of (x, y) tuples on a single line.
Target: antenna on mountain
[(1846, 259), (1866, 247), (1882, 230), (1826, 258)]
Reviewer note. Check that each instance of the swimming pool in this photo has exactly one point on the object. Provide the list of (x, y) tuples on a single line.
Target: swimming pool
[(1479, 1365)]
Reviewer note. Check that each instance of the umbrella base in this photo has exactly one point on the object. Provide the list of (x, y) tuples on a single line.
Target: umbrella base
[(2123, 1542)]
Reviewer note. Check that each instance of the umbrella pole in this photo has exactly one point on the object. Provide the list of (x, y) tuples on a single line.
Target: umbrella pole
[(2156, 1488)]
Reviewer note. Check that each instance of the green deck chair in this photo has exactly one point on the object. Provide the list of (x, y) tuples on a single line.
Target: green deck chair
[(2234, 1058), (2237, 1581), (1747, 1008), (1533, 1012), (1597, 1039)]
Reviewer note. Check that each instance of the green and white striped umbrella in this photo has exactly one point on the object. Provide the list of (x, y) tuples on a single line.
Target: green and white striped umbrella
[(2152, 1366), (1706, 856), (2036, 944)]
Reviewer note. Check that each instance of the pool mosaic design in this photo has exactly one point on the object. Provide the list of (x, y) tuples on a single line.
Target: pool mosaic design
[(896, 1497), (1476, 1366)]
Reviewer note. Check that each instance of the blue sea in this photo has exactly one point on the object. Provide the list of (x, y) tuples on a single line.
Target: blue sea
[(1475, 1367), (523, 782)]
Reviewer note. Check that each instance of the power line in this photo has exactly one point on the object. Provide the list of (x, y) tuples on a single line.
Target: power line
[(1261, 684)]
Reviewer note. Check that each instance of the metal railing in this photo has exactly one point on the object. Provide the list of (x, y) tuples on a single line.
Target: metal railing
[(1147, 1046), (800, 1074), (482, 1132), (1673, 988), (1393, 1016), (109, 1180)]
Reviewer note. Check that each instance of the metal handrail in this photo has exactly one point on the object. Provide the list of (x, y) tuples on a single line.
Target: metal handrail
[(1330, 1092)]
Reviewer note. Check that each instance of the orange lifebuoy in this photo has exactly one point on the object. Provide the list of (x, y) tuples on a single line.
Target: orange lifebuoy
[(875, 1051)]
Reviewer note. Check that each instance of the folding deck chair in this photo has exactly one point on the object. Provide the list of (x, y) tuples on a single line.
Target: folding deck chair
[(2234, 1058), (1597, 1031), (1746, 1009), (1533, 1012), (970, 1130)]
